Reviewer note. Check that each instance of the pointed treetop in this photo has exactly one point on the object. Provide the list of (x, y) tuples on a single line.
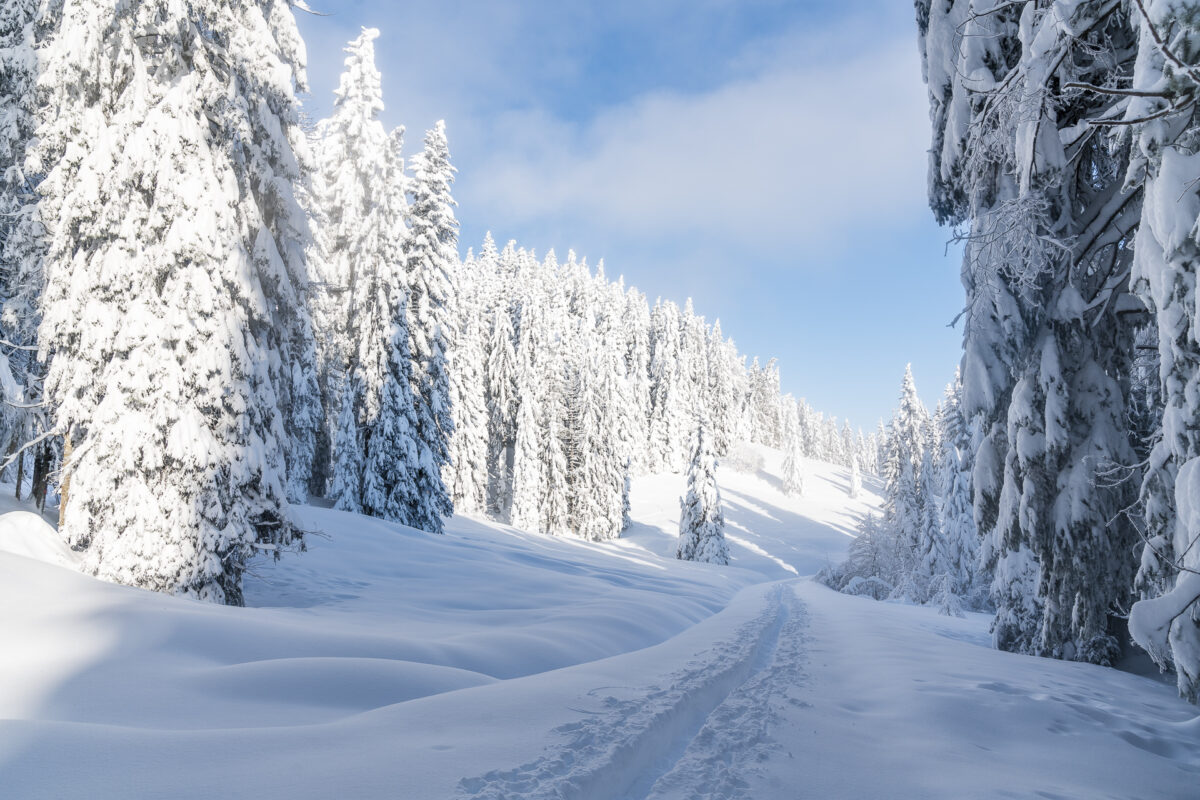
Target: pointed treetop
[(361, 82), (488, 250)]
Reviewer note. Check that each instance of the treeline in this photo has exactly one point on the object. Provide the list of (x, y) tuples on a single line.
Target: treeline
[(209, 315)]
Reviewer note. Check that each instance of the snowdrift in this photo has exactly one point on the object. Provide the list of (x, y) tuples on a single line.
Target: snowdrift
[(492, 663)]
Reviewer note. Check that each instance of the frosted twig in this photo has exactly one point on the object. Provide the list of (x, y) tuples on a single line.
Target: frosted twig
[(1163, 47)]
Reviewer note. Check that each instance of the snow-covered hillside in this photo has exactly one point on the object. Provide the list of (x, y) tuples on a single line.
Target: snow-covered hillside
[(492, 663)]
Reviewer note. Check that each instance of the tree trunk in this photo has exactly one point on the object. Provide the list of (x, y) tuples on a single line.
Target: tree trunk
[(65, 485), (41, 475)]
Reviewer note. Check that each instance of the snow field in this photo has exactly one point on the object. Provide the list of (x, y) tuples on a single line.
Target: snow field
[(492, 663)]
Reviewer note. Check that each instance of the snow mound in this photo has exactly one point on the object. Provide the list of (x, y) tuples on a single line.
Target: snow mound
[(23, 533), (492, 663)]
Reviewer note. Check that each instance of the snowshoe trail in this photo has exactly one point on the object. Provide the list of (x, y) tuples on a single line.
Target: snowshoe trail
[(701, 732)]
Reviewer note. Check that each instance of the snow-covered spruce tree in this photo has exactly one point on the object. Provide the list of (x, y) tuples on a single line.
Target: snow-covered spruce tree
[(502, 407), (932, 557), (693, 364), (701, 520), (849, 443), (393, 452), (528, 473), (636, 324), (910, 424), (960, 551), (553, 368), (764, 403), (793, 461), (881, 448), (865, 450), (597, 473), (1046, 333), (902, 471), (626, 491), (726, 379), (346, 458), (465, 474), (300, 397), (1166, 621), (187, 201), (855, 478), (667, 419), (869, 568), (431, 255), (363, 305), (554, 510), (22, 23), (833, 442), (351, 157)]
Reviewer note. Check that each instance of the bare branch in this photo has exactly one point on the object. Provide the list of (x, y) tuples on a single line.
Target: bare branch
[(1091, 87)]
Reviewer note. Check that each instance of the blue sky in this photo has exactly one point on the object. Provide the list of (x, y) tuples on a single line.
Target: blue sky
[(765, 157)]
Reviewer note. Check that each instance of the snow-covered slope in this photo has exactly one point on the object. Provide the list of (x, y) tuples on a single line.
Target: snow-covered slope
[(491, 663)]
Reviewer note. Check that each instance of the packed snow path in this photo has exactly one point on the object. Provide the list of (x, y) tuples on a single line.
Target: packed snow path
[(491, 663), (697, 734)]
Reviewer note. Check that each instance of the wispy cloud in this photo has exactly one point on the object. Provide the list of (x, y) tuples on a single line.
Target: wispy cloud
[(794, 153)]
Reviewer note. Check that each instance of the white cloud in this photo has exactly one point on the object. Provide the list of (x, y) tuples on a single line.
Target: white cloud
[(801, 153)]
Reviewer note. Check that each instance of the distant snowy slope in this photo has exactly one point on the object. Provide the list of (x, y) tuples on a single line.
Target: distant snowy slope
[(490, 663), (769, 532)]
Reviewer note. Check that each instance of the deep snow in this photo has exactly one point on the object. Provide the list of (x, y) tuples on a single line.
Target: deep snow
[(491, 663)]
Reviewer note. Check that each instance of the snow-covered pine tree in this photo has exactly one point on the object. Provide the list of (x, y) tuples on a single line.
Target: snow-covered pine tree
[(832, 440), (881, 448), (725, 387), (596, 475), (793, 461), (392, 449), (300, 400), (528, 473), (764, 403), (179, 470), (911, 422), (869, 567), (630, 418), (693, 364), (1166, 621), (363, 305), (554, 509), (954, 480), (849, 444), (554, 367), (701, 520), (465, 473), (346, 458), (855, 478), (351, 158), (636, 322), (626, 491), (502, 407), (865, 449), (431, 255), (666, 395), (902, 471), (932, 559), (1046, 269), (22, 22)]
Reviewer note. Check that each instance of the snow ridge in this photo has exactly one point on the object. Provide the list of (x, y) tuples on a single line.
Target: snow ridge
[(699, 730)]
